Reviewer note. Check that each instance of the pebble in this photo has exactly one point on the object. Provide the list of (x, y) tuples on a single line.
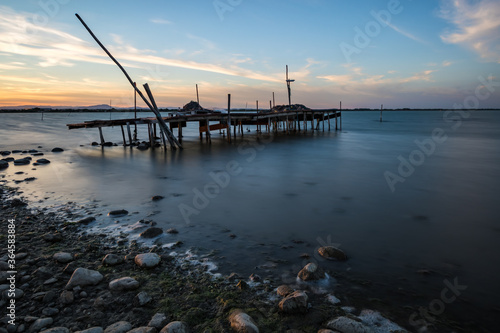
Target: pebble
[(296, 302), (41, 323), (158, 321), (172, 231), (348, 325), (151, 232), (242, 322), (86, 220), (284, 290), (157, 197), (63, 257), (143, 329), (92, 330), (57, 150), (332, 253), (311, 272), (50, 312), (175, 327), (118, 212), (142, 298), (66, 297), (112, 260)]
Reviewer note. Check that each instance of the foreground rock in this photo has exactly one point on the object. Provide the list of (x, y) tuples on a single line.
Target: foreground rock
[(4, 164), (56, 330), (112, 260), (118, 212), (84, 277), (124, 284), (332, 253), (40, 324), (296, 302), (63, 257), (242, 323), (311, 272), (175, 327), (119, 327), (348, 325), (147, 260)]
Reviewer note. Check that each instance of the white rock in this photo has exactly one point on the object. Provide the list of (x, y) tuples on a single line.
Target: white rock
[(63, 257), (348, 325), (118, 327), (124, 284), (175, 327), (242, 323), (147, 260), (84, 277)]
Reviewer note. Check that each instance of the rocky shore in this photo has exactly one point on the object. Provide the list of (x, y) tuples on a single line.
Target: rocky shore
[(67, 281)]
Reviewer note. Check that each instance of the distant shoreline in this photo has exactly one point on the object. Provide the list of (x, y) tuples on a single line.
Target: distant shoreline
[(173, 110)]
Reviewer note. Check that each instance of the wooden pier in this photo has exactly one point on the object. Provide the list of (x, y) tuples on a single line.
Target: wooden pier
[(271, 122)]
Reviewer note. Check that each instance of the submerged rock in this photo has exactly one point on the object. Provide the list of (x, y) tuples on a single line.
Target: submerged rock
[(348, 325), (57, 150), (22, 161), (119, 327), (151, 232), (42, 161), (118, 212), (86, 220), (84, 277), (296, 302), (4, 164), (332, 253), (242, 323), (311, 272), (157, 197)]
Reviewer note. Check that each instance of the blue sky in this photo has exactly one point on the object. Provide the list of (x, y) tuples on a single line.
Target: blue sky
[(418, 54)]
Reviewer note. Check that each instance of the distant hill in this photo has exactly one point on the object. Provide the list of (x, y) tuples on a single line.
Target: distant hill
[(62, 107)]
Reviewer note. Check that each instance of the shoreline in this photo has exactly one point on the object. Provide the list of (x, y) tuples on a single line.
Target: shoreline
[(181, 290)]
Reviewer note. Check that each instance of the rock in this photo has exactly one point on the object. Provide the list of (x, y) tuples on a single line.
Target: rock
[(311, 272), (42, 161), (175, 327), (332, 253), (242, 323), (57, 150), (348, 325), (92, 330), (172, 231), (86, 220), (242, 285), (53, 238), (112, 260), (118, 212), (94, 143), (158, 321), (5, 153), (296, 302), (18, 293), (40, 324), (84, 277), (143, 146), (147, 260), (22, 161), (50, 311), (63, 257), (56, 330), (254, 277), (107, 144), (142, 298), (4, 164), (324, 330), (124, 284), (284, 290), (17, 203), (151, 232), (50, 281), (143, 329), (118, 327), (66, 297), (29, 179), (157, 197)]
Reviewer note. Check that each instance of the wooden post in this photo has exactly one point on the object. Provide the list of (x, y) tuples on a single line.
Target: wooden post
[(312, 121), (179, 131), (381, 108), (123, 135), (135, 113), (274, 104), (305, 121), (208, 137), (257, 107), (129, 134), (102, 137), (197, 96), (164, 127), (340, 115), (323, 120), (328, 114), (229, 117)]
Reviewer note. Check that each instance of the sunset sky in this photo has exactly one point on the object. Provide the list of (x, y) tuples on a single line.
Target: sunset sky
[(418, 54)]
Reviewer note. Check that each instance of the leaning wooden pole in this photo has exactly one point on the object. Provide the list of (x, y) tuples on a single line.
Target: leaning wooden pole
[(164, 127), (169, 136)]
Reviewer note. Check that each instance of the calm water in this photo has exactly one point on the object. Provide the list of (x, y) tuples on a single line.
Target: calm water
[(287, 195)]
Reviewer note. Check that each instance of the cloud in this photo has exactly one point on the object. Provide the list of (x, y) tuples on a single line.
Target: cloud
[(346, 78), (160, 21), (357, 78), (404, 33), (476, 26), (54, 47)]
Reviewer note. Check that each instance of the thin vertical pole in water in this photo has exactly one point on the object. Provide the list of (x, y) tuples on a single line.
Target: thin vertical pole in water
[(123, 135), (229, 117), (381, 108), (328, 120), (197, 95), (274, 104), (257, 108), (135, 113), (100, 134), (341, 115), (323, 120), (129, 134)]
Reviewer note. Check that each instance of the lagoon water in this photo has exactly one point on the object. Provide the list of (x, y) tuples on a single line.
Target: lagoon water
[(406, 226)]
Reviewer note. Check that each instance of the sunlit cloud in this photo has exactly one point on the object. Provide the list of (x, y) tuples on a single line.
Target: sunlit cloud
[(476, 26), (405, 33)]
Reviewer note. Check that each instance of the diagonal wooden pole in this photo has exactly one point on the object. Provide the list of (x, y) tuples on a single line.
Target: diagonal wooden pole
[(163, 126)]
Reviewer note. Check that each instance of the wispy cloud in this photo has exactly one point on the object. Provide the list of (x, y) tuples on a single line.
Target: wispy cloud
[(358, 79), (405, 33), (476, 26), (160, 21)]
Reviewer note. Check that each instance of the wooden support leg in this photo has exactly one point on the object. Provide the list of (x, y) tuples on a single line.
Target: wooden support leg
[(323, 121), (123, 135), (102, 137), (129, 134), (179, 132), (312, 122)]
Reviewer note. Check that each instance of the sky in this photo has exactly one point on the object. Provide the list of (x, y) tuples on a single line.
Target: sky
[(365, 53)]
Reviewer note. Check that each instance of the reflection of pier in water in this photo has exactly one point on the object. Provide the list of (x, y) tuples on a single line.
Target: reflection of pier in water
[(285, 121)]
